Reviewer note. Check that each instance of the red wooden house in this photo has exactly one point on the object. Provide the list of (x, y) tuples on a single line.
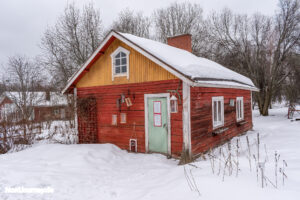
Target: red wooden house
[(42, 106), (146, 96)]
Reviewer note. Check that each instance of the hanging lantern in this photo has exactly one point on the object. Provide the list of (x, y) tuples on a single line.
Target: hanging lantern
[(174, 104)]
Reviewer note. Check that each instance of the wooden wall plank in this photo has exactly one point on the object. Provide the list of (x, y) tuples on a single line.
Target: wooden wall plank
[(121, 133), (201, 117)]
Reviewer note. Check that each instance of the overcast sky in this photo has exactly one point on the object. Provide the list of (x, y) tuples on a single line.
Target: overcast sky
[(23, 22)]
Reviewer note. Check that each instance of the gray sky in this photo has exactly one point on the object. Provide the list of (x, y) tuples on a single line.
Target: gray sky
[(23, 22)]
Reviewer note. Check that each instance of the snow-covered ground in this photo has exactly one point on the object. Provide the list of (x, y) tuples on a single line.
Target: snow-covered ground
[(103, 171)]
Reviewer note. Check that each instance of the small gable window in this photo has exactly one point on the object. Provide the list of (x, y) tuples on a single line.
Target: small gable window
[(120, 63)]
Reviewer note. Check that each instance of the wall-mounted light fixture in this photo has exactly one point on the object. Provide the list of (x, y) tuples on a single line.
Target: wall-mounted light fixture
[(174, 104)]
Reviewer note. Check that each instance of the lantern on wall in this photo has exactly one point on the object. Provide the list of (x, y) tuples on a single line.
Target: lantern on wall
[(174, 104)]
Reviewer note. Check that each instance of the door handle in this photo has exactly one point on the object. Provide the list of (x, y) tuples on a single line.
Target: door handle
[(165, 126)]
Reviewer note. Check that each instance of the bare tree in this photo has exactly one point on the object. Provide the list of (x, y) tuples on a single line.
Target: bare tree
[(180, 18), (291, 89), (68, 44), (23, 77), (257, 46), (133, 23)]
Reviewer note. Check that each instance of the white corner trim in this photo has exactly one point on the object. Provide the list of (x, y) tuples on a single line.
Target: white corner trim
[(164, 95), (186, 117), (127, 52), (75, 111)]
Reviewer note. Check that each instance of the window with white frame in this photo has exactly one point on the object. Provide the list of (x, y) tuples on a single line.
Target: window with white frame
[(218, 111), (120, 63), (239, 108)]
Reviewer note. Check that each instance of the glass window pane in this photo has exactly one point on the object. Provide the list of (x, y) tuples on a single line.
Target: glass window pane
[(237, 108), (118, 55), (123, 54), (157, 106), (123, 61), (117, 61), (117, 70), (124, 69), (157, 119), (215, 111), (240, 109)]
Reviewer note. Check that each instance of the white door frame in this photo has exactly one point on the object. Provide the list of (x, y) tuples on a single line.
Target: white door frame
[(164, 95)]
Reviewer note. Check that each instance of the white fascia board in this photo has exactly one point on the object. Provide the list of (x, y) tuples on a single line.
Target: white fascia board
[(135, 47), (225, 86), (152, 58)]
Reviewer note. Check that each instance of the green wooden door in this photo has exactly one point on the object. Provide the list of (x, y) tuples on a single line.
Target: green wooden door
[(158, 125)]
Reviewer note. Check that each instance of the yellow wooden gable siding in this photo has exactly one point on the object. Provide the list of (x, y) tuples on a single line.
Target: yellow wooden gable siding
[(141, 69)]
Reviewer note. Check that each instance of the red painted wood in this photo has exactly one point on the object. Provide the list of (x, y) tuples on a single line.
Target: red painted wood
[(120, 134), (201, 117)]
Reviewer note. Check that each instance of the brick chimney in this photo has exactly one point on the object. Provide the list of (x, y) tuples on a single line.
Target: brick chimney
[(183, 41)]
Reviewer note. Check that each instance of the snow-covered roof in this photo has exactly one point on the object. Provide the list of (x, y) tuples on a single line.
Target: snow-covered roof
[(197, 71), (195, 67), (37, 98)]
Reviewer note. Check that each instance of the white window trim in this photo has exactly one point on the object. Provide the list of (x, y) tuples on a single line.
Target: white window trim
[(242, 108), (118, 50), (218, 125)]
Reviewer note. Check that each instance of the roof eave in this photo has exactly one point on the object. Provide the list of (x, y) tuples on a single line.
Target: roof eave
[(254, 89), (73, 78), (152, 57)]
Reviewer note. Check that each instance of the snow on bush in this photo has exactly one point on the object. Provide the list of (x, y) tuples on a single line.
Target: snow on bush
[(58, 132)]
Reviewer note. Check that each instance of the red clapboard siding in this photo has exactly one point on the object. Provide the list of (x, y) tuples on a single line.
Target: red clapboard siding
[(201, 117), (98, 127), (106, 97)]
